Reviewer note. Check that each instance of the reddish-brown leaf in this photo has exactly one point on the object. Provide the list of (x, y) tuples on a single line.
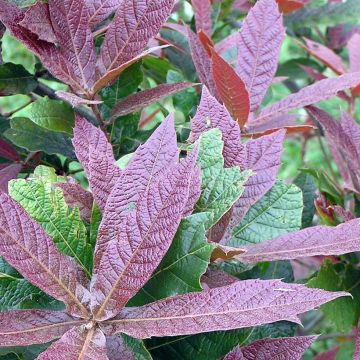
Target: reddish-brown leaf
[(288, 6)]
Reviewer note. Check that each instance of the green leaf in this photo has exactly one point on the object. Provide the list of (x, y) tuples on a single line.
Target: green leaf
[(184, 264), (221, 187), (137, 346), (94, 224), (307, 184), (14, 79), (54, 115), (277, 213), (343, 312), (46, 205), (26, 134)]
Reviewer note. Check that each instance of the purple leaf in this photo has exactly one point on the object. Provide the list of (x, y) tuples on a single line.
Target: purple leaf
[(263, 156), (259, 44), (330, 355), (8, 152), (353, 47), (145, 98), (217, 278), (99, 10), (134, 24), (75, 100), (227, 44), (211, 114), (202, 10), (70, 21), (231, 89), (96, 156), (26, 247), (8, 173), (318, 240), (357, 343), (37, 20), (117, 349), (78, 343), (201, 61), (292, 348), (150, 162), (76, 197), (312, 94), (27, 327), (141, 240), (242, 304)]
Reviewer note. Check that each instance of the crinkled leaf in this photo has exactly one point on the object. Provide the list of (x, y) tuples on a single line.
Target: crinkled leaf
[(96, 156), (14, 79), (235, 354), (141, 240), (183, 265), (25, 245), (145, 98), (78, 343), (70, 20), (259, 44), (234, 306), (134, 24), (312, 94), (318, 240), (231, 89), (46, 205), (26, 134), (277, 213), (8, 173), (75, 100), (50, 114), (220, 186), (202, 10), (148, 164), (100, 9), (27, 327)]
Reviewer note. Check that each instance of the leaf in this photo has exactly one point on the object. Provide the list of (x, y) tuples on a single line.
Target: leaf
[(357, 344), (317, 240), (8, 152), (96, 156), (183, 265), (99, 10), (237, 305), (353, 46), (278, 212), (220, 187), (263, 157), (312, 94), (37, 20), (292, 348), (327, 56), (287, 6), (341, 313), (137, 22), (35, 256), (258, 44), (141, 240), (26, 134), (8, 173), (211, 114), (231, 89), (145, 98), (201, 61), (78, 343), (202, 10), (27, 327), (70, 20), (47, 206), (14, 79), (76, 197), (53, 115), (149, 163), (75, 100)]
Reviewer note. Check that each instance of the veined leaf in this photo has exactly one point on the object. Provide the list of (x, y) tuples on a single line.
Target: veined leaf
[(202, 10), (70, 20), (277, 213), (183, 265), (259, 43), (237, 305), (137, 22), (231, 89), (14, 79), (96, 156), (79, 342), (46, 205), (148, 229), (220, 187), (353, 54), (35, 256), (100, 9), (8, 173), (8, 152), (75, 100), (27, 327)]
